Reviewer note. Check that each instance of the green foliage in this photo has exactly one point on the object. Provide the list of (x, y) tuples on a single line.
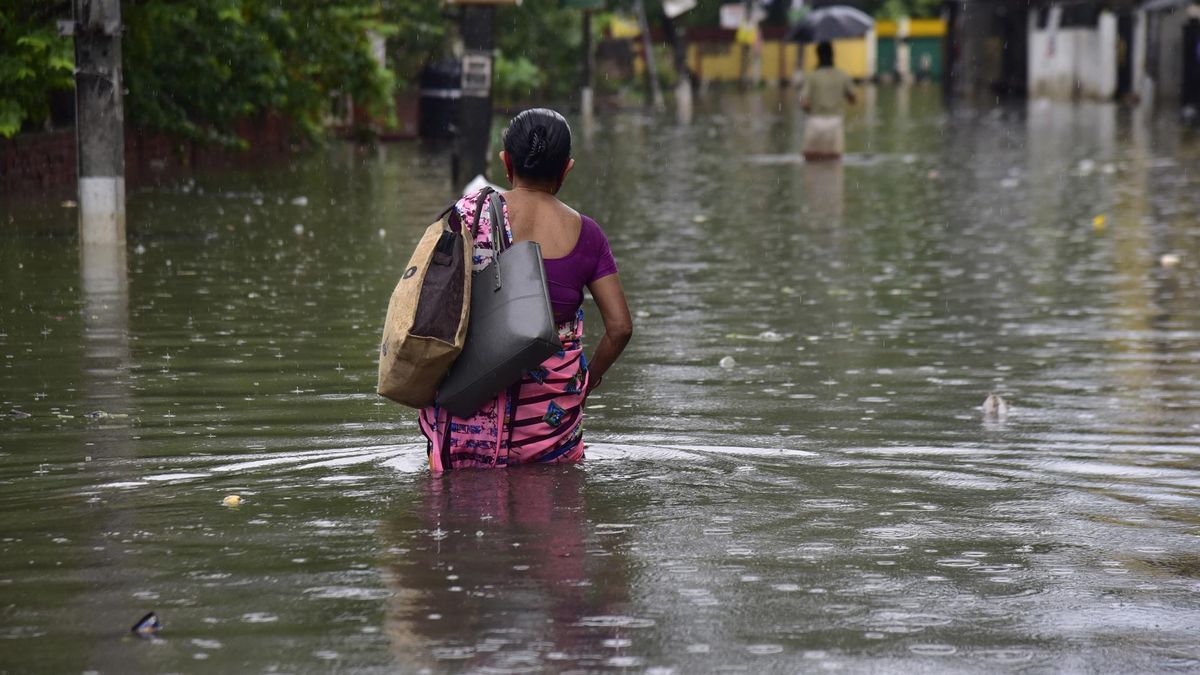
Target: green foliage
[(894, 9), (549, 38), (34, 60), (197, 68), (515, 80), (420, 31)]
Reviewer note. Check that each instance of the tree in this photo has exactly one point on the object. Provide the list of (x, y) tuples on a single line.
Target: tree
[(197, 68), (34, 61), (894, 9), (420, 28)]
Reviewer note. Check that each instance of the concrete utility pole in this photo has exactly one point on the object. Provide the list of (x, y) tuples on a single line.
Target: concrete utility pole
[(683, 87), (656, 94), (585, 90), (99, 121), (475, 121)]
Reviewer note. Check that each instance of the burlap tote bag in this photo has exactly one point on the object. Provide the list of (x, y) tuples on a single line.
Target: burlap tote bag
[(427, 315)]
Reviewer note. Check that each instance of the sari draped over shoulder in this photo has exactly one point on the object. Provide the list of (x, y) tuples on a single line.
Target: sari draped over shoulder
[(537, 420)]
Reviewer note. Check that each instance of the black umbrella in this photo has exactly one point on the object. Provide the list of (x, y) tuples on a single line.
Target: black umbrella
[(832, 23)]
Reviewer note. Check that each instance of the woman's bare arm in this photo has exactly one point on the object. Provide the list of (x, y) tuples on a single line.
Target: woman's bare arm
[(618, 326)]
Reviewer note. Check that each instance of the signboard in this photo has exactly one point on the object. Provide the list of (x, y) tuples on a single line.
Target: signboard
[(477, 74), (587, 5), (673, 8), (733, 15)]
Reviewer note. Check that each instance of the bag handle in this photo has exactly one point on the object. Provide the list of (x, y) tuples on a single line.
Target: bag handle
[(483, 195), (496, 216)]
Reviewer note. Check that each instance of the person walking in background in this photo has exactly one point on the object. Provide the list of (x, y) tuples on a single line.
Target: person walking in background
[(826, 92), (540, 418)]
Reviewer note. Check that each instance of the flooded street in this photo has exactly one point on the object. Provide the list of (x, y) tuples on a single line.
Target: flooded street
[(789, 471)]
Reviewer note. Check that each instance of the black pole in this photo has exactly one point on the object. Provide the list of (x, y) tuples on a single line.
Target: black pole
[(475, 113)]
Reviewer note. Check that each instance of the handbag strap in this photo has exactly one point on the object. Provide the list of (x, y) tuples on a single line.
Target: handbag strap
[(483, 195), (499, 235)]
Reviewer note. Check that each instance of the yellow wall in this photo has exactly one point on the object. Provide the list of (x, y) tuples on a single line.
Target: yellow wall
[(917, 28), (848, 55), (716, 62), (720, 62)]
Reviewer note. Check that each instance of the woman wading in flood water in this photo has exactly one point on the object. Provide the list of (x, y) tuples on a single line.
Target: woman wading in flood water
[(540, 418)]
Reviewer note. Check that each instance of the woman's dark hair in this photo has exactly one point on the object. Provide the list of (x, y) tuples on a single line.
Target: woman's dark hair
[(538, 142), (824, 54)]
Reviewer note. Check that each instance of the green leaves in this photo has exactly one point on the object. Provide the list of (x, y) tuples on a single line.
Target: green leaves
[(34, 61), (199, 68)]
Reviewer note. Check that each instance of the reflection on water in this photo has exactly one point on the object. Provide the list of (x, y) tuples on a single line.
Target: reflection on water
[(503, 570), (831, 497)]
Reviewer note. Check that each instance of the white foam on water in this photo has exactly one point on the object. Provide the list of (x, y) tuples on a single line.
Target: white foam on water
[(349, 460), (124, 484), (276, 459), (413, 461), (163, 477), (914, 450), (625, 451)]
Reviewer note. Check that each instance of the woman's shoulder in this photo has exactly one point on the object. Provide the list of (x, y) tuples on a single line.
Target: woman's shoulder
[(589, 226)]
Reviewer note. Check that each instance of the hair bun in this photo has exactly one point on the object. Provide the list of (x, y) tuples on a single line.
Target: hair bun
[(538, 143), (537, 147)]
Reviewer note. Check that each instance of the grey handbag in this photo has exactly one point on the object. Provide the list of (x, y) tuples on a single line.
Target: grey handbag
[(511, 327)]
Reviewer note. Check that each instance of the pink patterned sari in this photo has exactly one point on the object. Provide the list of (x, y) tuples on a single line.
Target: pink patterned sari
[(536, 420)]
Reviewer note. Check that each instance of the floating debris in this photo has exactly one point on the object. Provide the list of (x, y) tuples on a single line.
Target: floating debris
[(69, 204), (232, 500), (727, 362), (1098, 222), (148, 626), (19, 414), (994, 407), (699, 218), (300, 201), (298, 228), (1169, 260)]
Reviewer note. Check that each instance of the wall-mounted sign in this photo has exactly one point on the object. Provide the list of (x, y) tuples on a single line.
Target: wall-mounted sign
[(673, 8), (477, 74), (734, 15)]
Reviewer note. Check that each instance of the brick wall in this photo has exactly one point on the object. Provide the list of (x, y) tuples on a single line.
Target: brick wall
[(41, 162), (37, 162)]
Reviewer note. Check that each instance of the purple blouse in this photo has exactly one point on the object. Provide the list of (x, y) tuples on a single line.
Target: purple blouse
[(591, 259)]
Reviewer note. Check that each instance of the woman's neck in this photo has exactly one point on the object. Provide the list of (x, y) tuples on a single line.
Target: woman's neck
[(538, 188)]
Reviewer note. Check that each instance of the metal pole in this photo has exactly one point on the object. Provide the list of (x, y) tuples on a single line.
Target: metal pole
[(585, 90), (683, 87), (648, 49), (475, 122), (99, 121)]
